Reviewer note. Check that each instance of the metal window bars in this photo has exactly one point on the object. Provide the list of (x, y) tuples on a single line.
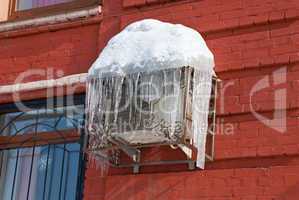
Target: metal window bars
[(41, 154)]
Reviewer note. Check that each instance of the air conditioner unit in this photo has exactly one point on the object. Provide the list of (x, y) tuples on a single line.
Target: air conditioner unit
[(152, 85), (150, 109)]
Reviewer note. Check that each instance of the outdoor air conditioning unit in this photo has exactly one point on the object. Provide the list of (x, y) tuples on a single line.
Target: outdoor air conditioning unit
[(156, 104)]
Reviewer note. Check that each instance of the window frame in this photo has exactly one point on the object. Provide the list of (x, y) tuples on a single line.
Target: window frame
[(48, 138), (44, 138), (13, 14)]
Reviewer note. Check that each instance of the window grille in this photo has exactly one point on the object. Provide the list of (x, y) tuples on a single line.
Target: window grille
[(41, 151)]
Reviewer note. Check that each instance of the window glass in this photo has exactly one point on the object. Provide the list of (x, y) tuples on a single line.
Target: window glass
[(42, 120), (29, 4), (47, 172)]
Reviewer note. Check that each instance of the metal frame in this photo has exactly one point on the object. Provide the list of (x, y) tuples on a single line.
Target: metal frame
[(134, 151), (40, 104)]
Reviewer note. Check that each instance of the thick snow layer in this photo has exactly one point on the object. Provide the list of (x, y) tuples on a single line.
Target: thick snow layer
[(153, 45)]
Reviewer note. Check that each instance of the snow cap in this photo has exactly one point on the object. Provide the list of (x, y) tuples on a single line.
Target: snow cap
[(149, 45)]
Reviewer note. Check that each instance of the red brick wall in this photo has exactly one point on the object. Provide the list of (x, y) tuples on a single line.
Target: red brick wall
[(279, 183), (250, 40), (47, 50), (72, 50)]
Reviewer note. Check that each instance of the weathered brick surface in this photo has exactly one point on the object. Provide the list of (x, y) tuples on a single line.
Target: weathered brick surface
[(71, 50), (235, 184), (250, 39)]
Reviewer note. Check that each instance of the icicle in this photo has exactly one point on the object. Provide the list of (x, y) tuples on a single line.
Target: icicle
[(140, 75), (130, 91), (200, 111), (118, 86)]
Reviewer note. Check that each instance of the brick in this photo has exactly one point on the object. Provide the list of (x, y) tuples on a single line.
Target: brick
[(291, 13), (260, 19), (232, 14), (267, 60), (129, 3), (282, 59), (229, 24), (260, 36), (280, 31), (152, 1), (277, 15), (246, 21)]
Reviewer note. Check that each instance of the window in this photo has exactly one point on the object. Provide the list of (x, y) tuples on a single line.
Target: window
[(27, 5), (41, 152), (24, 9)]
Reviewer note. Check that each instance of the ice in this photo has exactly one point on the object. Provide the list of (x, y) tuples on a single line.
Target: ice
[(200, 111), (138, 76)]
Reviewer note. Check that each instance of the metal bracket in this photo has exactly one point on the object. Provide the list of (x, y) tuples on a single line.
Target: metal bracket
[(136, 168), (129, 150), (191, 165)]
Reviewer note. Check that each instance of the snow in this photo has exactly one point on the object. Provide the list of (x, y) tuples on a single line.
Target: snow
[(153, 45)]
